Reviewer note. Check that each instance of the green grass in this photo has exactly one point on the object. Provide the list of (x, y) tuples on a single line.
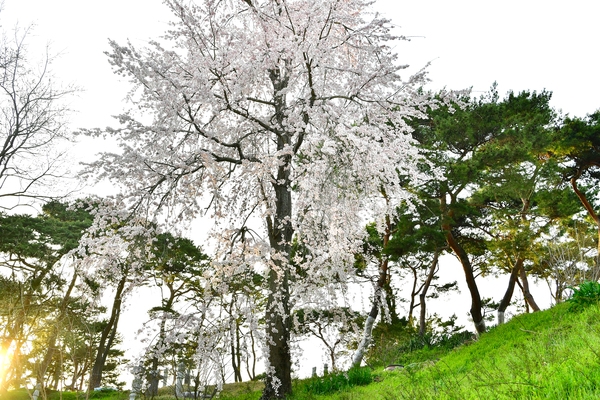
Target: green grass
[(554, 354), (22, 394)]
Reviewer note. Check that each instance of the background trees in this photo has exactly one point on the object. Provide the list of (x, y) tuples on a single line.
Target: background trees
[(32, 123), (41, 299)]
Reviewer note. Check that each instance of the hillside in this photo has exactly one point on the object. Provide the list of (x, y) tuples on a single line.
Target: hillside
[(554, 354)]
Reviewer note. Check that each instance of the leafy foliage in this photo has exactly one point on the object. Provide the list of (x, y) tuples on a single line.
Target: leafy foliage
[(331, 383), (586, 294)]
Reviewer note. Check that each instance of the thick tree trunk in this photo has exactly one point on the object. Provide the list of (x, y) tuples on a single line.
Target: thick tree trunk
[(107, 338), (278, 382), (367, 334)]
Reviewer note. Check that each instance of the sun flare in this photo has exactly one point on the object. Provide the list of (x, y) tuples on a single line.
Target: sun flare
[(5, 359)]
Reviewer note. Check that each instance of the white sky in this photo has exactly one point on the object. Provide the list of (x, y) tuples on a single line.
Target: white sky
[(521, 44)]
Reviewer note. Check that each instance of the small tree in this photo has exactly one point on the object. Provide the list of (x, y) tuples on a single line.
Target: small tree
[(337, 329)]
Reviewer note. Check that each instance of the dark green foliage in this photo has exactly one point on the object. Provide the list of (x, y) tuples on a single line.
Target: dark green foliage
[(579, 141), (586, 294), (387, 342)]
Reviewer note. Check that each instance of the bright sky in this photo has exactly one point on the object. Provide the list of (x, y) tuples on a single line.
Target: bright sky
[(521, 44)]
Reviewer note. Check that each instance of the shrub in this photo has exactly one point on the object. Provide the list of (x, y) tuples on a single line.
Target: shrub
[(586, 294), (334, 382)]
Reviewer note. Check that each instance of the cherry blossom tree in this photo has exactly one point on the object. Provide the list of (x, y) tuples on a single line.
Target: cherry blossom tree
[(282, 121)]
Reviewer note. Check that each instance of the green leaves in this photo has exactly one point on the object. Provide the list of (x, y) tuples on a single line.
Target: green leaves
[(45, 238), (586, 294)]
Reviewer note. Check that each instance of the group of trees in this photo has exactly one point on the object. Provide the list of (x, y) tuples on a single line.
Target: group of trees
[(289, 125)]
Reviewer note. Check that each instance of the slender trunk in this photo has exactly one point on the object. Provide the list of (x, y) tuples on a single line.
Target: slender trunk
[(504, 303), (524, 300), (476, 304), (251, 368), (51, 344), (515, 270), (590, 210), (107, 338), (236, 363), (423, 294), (526, 293), (381, 281), (413, 296), (238, 341)]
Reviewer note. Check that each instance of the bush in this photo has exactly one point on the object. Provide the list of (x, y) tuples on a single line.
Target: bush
[(334, 382), (586, 294)]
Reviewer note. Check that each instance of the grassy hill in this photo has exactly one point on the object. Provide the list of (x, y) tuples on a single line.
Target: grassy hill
[(554, 354)]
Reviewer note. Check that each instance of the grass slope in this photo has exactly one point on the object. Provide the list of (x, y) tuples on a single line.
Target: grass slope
[(554, 354)]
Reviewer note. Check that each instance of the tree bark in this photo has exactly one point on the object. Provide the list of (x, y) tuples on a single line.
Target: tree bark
[(591, 213), (476, 304), (505, 302), (107, 338), (422, 296), (381, 281), (51, 344), (367, 333), (278, 383), (526, 293)]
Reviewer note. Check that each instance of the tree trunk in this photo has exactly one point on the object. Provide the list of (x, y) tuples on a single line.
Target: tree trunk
[(278, 383), (526, 293), (381, 281), (514, 273), (367, 333), (235, 345), (590, 210), (422, 296), (51, 344), (108, 335), (413, 295), (476, 305), (251, 368)]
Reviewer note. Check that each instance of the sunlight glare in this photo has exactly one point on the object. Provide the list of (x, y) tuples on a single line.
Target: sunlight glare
[(5, 359)]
